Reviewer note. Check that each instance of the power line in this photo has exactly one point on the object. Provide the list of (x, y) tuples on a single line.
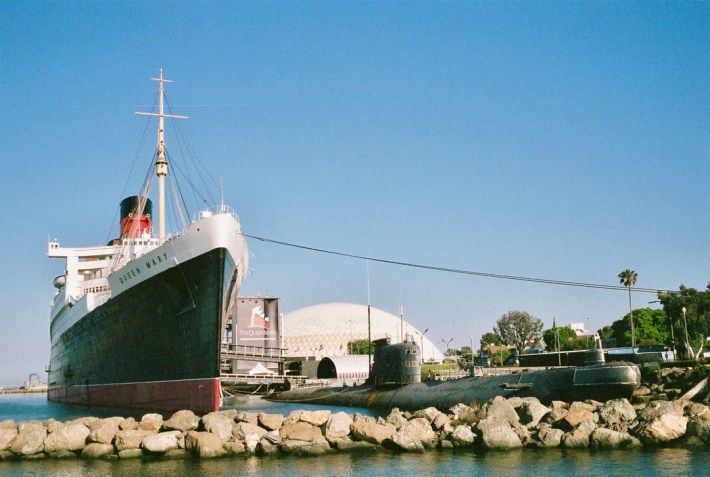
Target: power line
[(545, 281)]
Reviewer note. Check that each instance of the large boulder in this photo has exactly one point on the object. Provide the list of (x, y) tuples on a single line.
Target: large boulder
[(531, 411), (71, 437), (204, 444), (30, 440), (575, 416), (219, 424), (369, 430), (104, 430), (617, 411), (182, 421), (338, 426), (464, 413), (271, 422), (549, 437), (497, 433), (162, 442), (300, 431), (316, 418), (7, 435), (656, 409), (242, 429), (130, 439), (578, 438), (602, 438), (151, 423), (500, 408), (96, 450), (666, 428), (317, 446), (415, 435), (462, 436)]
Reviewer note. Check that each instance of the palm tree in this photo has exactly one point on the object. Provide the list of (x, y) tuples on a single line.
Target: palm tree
[(628, 279)]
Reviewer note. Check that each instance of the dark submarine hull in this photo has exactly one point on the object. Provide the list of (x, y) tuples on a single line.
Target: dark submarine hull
[(599, 382)]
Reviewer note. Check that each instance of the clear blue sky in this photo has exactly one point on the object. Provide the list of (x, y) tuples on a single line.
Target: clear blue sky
[(559, 140)]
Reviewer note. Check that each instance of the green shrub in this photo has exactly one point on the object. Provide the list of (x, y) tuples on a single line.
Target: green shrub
[(650, 372)]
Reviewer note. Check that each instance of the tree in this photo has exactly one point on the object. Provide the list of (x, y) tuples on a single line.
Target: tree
[(361, 347), (651, 328), (695, 320), (628, 279), (489, 339), (518, 328), (566, 337)]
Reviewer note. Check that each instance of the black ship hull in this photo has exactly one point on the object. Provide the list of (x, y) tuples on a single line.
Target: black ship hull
[(153, 347)]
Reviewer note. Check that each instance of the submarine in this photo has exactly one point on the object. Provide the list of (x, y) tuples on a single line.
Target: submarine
[(395, 381)]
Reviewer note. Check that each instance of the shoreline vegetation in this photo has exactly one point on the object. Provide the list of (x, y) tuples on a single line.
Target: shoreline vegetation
[(660, 414)]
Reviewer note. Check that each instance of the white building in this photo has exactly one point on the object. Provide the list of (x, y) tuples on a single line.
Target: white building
[(325, 330)]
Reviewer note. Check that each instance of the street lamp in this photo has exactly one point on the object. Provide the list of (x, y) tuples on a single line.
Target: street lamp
[(685, 325), (447, 343), (421, 340)]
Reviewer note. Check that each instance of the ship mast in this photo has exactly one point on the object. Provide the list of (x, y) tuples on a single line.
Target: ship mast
[(161, 163)]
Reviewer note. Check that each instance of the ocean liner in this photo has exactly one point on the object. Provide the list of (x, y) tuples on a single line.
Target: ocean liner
[(138, 323)]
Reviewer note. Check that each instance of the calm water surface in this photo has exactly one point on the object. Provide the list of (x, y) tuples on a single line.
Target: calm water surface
[(524, 462)]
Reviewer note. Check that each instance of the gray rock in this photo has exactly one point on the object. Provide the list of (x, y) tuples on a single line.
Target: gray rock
[(574, 417), (300, 431), (219, 424), (271, 422), (347, 444), (441, 422), (602, 438), (500, 408), (316, 418), (162, 442), (204, 444), (415, 435), (151, 423), (8, 424), (429, 413), (549, 437), (243, 429), (250, 417), (531, 411), (463, 436), (71, 437), (30, 440), (666, 428), (617, 411), (656, 409), (182, 421), (97, 451), (266, 447), (105, 430), (318, 446), (338, 426), (396, 418), (251, 442), (130, 439), (371, 431), (127, 424), (234, 447), (578, 438), (464, 413), (7, 435), (497, 433), (130, 454)]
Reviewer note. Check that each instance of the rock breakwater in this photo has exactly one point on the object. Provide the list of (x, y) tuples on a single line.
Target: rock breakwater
[(649, 419), (499, 424)]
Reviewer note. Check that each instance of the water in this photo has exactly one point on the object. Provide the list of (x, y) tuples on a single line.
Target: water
[(524, 463)]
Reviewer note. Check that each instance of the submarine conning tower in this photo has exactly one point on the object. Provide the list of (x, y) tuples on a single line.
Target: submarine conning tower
[(136, 216), (396, 364)]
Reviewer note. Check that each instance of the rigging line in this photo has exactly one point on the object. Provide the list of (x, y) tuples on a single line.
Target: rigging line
[(459, 271)]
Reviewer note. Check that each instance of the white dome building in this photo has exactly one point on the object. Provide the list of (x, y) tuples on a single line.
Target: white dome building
[(325, 330)]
